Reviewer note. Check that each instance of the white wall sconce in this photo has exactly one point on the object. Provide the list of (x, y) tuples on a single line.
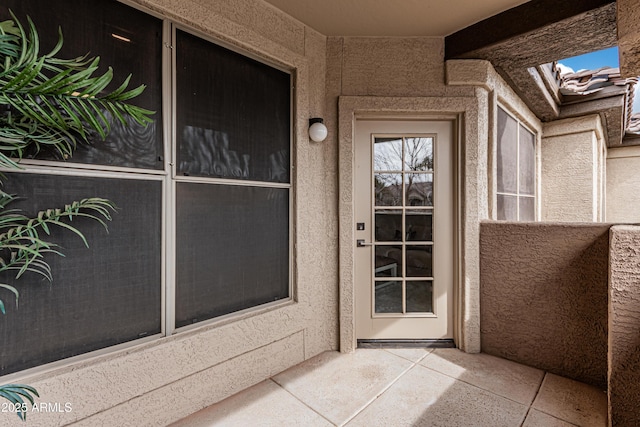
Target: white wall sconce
[(317, 129)]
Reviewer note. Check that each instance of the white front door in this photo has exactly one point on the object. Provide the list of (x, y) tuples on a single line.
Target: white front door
[(404, 222)]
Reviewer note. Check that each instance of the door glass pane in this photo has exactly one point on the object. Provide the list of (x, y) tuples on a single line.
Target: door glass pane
[(388, 226), (507, 152), (527, 209), (527, 162), (388, 189), (419, 225), (388, 297), (404, 206), (387, 154), (420, 297), (388, 262), (418, 154), (418, 189), (419, 262), (507, 208)]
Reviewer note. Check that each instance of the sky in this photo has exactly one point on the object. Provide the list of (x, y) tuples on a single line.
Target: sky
[(593, 61)]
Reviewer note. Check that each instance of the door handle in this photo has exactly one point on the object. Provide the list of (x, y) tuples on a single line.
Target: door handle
[(361, 244)]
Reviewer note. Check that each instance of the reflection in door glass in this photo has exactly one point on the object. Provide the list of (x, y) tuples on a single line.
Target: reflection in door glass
[(419, 225), (387, 154), (418, 189), (403, 179), (388, 261), (388, 188), (388, 226), (419, 262), (420, 297), (388, 297), (418, 154)]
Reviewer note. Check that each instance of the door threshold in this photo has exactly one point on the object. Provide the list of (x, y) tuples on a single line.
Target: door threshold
[(421, 343)]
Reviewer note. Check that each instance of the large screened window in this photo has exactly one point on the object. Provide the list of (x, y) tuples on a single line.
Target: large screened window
[(516, 170), (232, 214), (203, 226), (121, 36), (110, 293)]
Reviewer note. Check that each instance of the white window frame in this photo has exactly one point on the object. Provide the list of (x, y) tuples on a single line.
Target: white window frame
[(517, 194)]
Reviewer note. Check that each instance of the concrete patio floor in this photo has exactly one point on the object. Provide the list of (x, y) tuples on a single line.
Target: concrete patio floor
[(409, 387)]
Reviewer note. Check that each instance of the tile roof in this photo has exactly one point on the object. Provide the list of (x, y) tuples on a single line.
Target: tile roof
[(590, 81), (602, 82)]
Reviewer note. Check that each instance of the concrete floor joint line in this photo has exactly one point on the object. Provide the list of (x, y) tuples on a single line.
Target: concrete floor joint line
[(381, 393), (299, 400), (533, 400)]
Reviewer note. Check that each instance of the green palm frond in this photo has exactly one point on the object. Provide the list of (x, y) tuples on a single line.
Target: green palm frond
[(48, 101), (21, 242), (19, 395)]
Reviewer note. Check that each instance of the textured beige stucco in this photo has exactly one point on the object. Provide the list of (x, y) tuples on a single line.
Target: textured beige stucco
[(382, 66), (166, 404), (623, 185), (166, 378), (481, 74), (628, 26), (544, 296), (572, 159), (624, 327)]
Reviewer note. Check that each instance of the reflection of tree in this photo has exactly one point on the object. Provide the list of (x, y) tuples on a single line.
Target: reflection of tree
[(417, 157), (388, 189)]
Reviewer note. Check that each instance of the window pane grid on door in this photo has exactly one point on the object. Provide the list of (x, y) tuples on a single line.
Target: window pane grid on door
[(403, 177)]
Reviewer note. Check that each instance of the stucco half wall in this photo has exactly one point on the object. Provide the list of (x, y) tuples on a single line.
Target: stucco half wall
[(624, 326), (544, 296)]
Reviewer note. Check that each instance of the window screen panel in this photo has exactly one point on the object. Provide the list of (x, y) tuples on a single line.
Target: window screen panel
[(232, 249), (233, 114), (507, 208), (107, 294), (507, 152), (527, 162), (527, 208), (124, 38)]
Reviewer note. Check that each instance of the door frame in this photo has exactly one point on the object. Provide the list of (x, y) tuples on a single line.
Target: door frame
[(467, 129), (437, 326)]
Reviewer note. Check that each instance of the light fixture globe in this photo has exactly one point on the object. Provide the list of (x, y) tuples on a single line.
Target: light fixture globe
[(317, 130)]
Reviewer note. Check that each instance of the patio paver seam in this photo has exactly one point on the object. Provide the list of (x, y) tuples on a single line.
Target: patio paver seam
[(534, 399), (476, 386), (383, 391), (301, 401)]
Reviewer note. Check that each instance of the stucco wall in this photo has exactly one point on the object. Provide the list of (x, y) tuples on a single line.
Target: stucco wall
[(469, 89), (572, 159), (623, 185), (165, 379), (624, 327), (544, 296), (404, 77)]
